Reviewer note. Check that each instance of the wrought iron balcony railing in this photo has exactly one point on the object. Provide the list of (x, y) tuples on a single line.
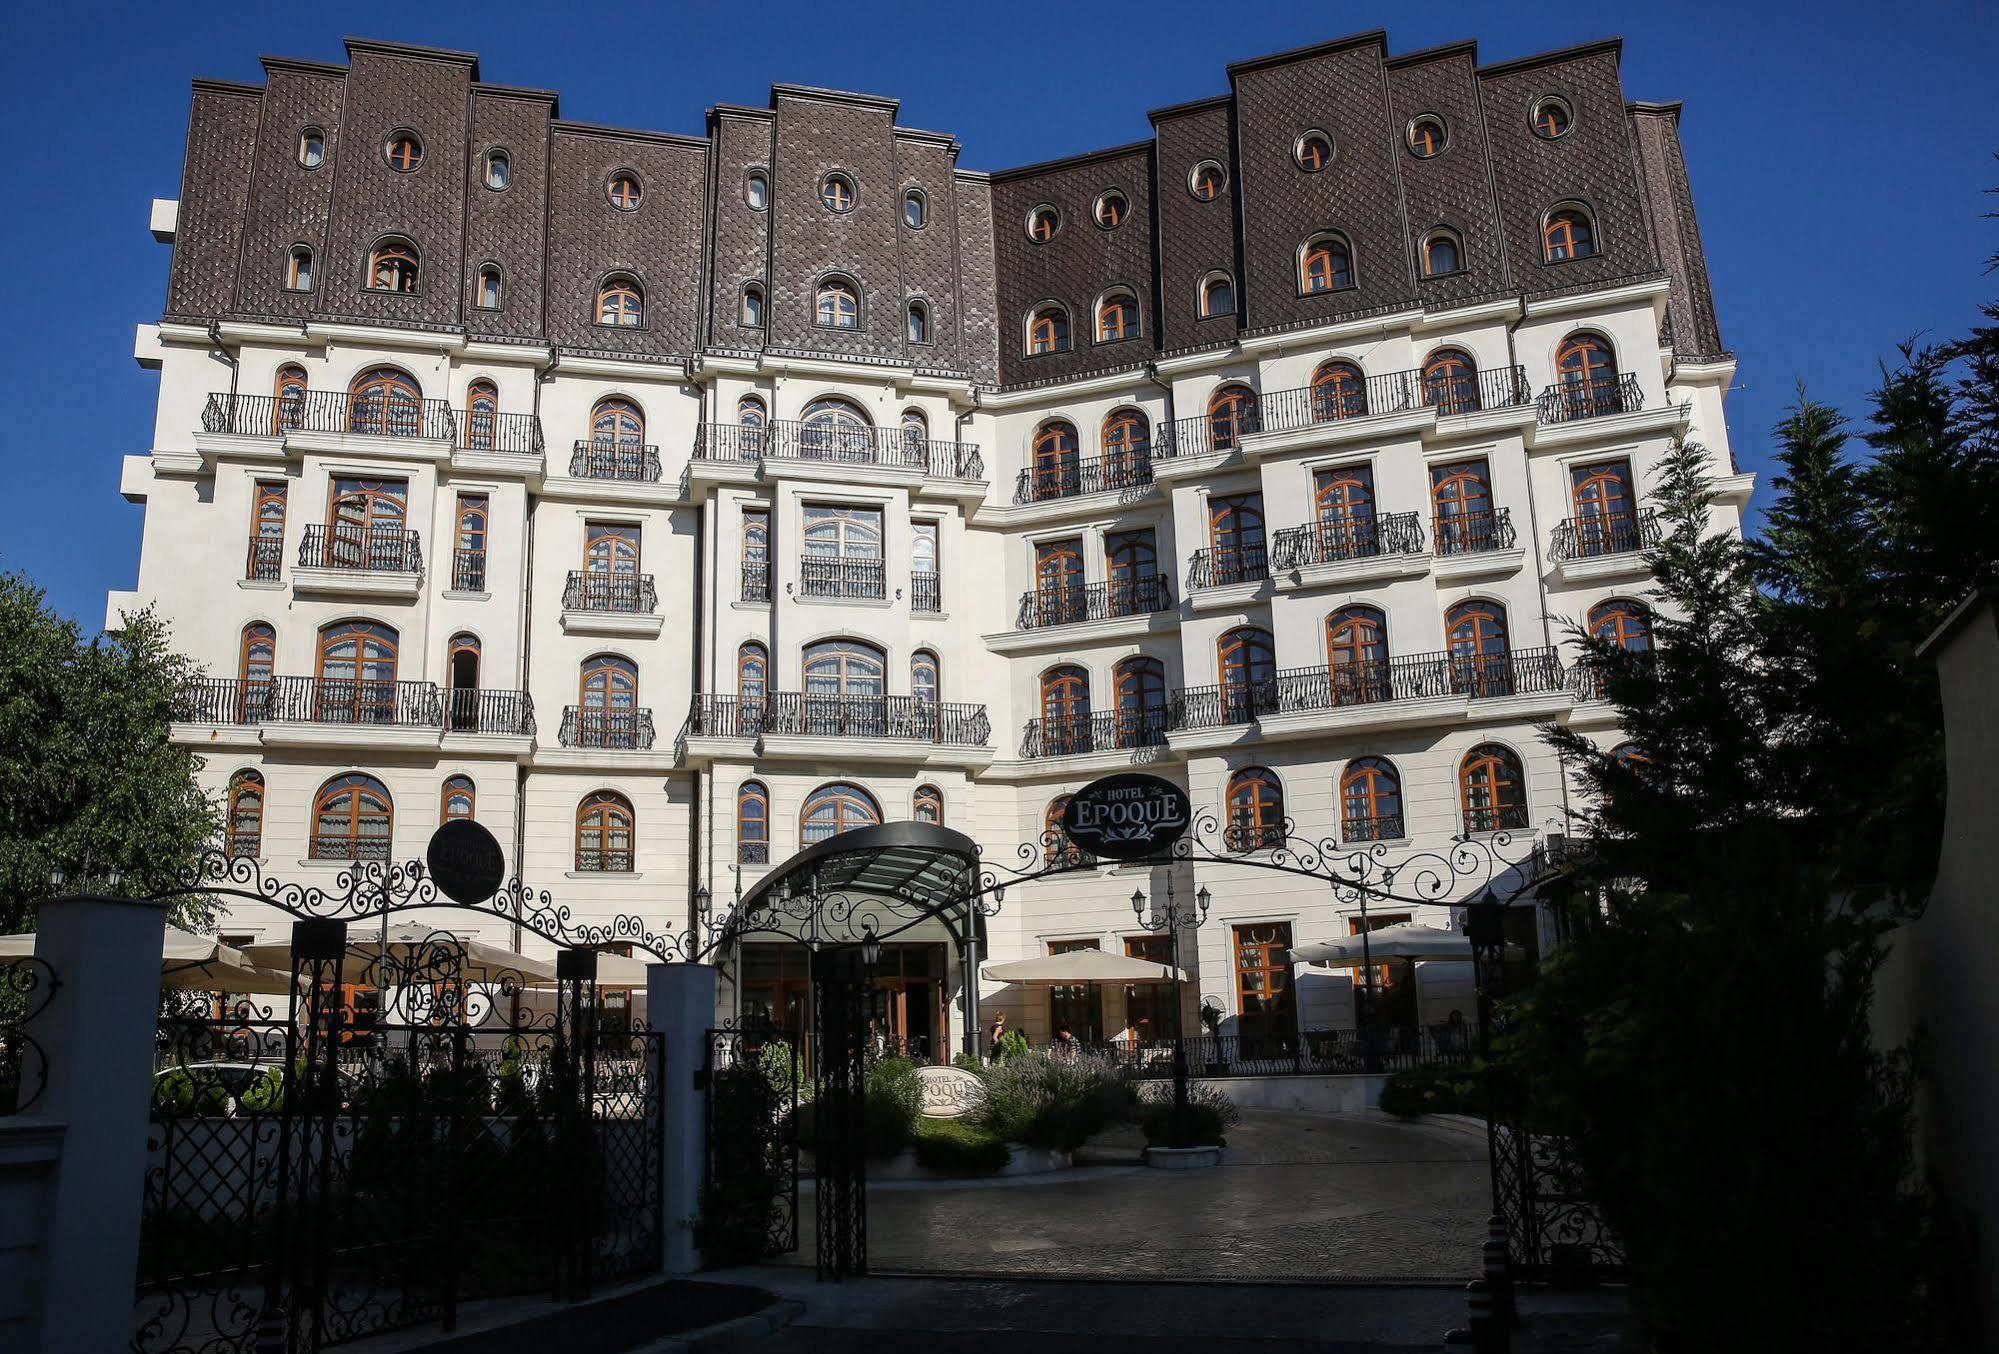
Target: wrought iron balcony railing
[(752, 853), (224, 700), (589, 590), (603, 459), (1338, 686), (510, 434), (351, 700), (612, 861), (249, 843), (481, 709), (348, 848), (926, 591), (612, 730), (1074, 603), (1075, 476), (756, 581), (1073, 735), (802, 714), (1235, 564), (265, 559), (1334, 541), (379, 549), (1392, 392), (1381, 827), (842, 576), (846, 444), (327, 411), (1498, 818), (1473, 533), (468, 571), (1567, 401), (1604, 534)]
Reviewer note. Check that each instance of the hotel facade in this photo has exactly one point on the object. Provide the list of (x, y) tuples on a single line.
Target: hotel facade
[(670, 502)]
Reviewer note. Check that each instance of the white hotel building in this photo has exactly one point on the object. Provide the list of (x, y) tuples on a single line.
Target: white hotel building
[(670, 502)]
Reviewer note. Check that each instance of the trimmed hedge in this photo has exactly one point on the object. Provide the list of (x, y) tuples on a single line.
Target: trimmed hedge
[(1454, 1089), (954, 1145), (894, 1104), (1210, 1116)]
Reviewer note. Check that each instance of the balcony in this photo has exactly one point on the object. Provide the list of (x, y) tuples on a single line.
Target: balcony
[(1603, 545), (483, 430), (468, 571), (351, 701), (756, 581), (1079, 735), (341, 711), (609, 730), (383, 561), (1222, 568), (847, 578), (628, 462), (597, 603), (1077, 603), (1077, 476), (1348, 541), (1382, 827), (614, 860), (347, 848), (328, 411), (791, 714), (1410, 678), (1500, 818), (1568, 401), (926, 592), (841, 444), (264, 560), (1322, 407), (1473, 533), (483, 710)]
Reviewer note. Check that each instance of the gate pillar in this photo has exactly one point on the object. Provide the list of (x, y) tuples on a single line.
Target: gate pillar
[(97, 1033), (680, 1006)]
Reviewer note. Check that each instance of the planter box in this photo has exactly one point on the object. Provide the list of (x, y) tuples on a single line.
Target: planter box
[(1021, 1161)]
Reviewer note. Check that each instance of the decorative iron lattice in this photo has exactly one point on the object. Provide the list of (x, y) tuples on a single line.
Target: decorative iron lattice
[(749, 1200), (27, 986)]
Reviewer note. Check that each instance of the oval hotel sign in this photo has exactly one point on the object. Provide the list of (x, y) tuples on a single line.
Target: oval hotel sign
[(1129, 816)]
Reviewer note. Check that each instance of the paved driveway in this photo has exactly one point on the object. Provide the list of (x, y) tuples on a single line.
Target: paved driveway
[(1302, 1196)]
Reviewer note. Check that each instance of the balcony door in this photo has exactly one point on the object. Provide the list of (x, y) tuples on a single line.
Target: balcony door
[(386, 403), (846, 689), (1065, 710), (610, 566), (1235, 535), (1078, 1008), (1602, 496), (843, 551), (1357, 655), (1139, 688), (364, 524), (258, 666), (1343, 499), (609, 699), (463, 669), (357, 674), (1481, 663), (834, 430), (1057, 462), (1461, 506), (1248, 665), (1058, 581), (1131, 560)]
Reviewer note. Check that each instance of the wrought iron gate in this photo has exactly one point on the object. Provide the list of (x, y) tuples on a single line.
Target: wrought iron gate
[(749, 1191), (327, 1171), (839, 1111)]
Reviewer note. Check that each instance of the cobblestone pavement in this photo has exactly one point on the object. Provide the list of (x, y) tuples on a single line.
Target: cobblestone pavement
[(1301, 1196)]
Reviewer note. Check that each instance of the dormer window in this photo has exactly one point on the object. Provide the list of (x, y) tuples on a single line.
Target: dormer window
[(1112, 208), (620, 302), (311, 148), (1042, 223), (839, 305), (1048, 330), (623, 191), (1206, 181), (393, 267), (1313, 152), (915, 211), (837, 192), (1426, 136), (404, 152), (499, 170), (298, 269), (488, 295)]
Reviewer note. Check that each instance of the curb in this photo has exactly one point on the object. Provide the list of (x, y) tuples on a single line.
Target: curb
[(743, 1332)]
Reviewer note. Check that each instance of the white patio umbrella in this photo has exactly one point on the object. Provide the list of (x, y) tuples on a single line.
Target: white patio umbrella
[(1080, 966), (190, 962), (1405, 941), (483, 962)]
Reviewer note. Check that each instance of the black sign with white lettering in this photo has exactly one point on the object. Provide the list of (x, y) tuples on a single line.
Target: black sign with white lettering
[(465, 861), (1129, 816)]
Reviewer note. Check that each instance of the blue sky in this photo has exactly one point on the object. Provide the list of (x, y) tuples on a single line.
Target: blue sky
[(1839, 153)]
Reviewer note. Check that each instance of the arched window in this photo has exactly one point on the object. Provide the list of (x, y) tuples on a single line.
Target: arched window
[(352, 819), (752, 823), (836, 429), (750, 412), (258, 662), (605, 838), (311, 147), (1338, 391), (357, 674), (836, 808), (1256, 810), (385, 402), (1492, 789), (915, 211), (620, 302), (1127, 449), (1057, 464), (1236, 539), (752, 673), (499, 170), (927, 805), (756, 190), (298, 269), (1217, 296), (1631, 757), (915, 436), (1325, 264), (393, 266), (1357, 655), (482, 410), (244, 828), (1481, 662), (1587, 369), (1441, 254), (487, 296), (1042, 223), (461, 671), (1056, 847), (1343, 508), (1065, 710), (1247, 661), (623, 190), (1625, 624), (843, 672), (1450, 381), (290, 390), (1461, 504), (616, 423), (608, 693), (919, 322), (1371, 801), (753, 307), (1117, 317), (1138, 686), (1048, 330), (839, 305), (925, 681), (1567, 235), (456, 799), (1231, 412)]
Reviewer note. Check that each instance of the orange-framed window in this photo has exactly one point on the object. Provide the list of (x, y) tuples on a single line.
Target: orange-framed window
[(244, 831), (256, 663), (1492, 789), (405, 152), (1247, 661), (836, 192), (356, 674), (456, 799), (610, 549), (1065, 696), (1626, 624), (487, 296), (1460, 489), (835, 808), (623, 190), (1042, 223), (1338, 391), (1314, 152), (606, 835), (1263, 980), (298, 269), (1206, 181), (1256, 809), (842, 668), (756, 538), (1601, 490), (1442, 254), (290, 390), (1476, 629), (1130, 556), (1056, 459), (607, 687), (1148, 1007), (1117, 318), (1357, 654), (352, 819), (927, 805), (1058, 570), (1585, 361), (1112, 210), (753, 307), (620, 303), (1217, 296), (385, 402), (268, 509), (838, 306), (752, 823), (918, 322), (1343, 496), (616, 421), (1048, 330), (1127, 442), (1551, 118), (1426, 137), (393, 267), (752, 672), (1325, 265), (1056, 846), (750, 411), (1567, 235), (925, 677), (461, 662), (1235, 525), (1450, 381), (1138, 690), (1231, 412), (482, 414), (1371, 801)]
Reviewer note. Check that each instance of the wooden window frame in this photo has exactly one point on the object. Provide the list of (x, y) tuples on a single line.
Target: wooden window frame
[(842, 795), (1117, 318), (624, 191), (1484, 771), (598, 816), (356, 788), (1357, 653), (245, 782), (1590, 486), (1567, 236), (837, 305), (931, 795), (450, 785), (1313, 151), (1207, 181), (251, 634), (1111, 209), (618, 410), (620, 304), (404, 152), (1450, 381), (1268, 941), (1368, 784), (1623, 623), (1048, 331), (1326, 265), (837, 193), (752, 822), (293, 257), (1450, 240), (1257, 790), (1043, 224), (1586, 360), (489, 289), (1209, 286), (1427, 136), (752, 671), (405, 263)]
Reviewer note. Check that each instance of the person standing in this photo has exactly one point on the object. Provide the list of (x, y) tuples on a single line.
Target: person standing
[(995, 1033)]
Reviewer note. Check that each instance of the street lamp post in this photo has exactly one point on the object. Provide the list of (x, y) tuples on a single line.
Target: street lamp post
[(1171, 919)]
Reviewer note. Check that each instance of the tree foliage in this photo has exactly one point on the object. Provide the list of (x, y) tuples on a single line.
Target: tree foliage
[(89, 780)]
